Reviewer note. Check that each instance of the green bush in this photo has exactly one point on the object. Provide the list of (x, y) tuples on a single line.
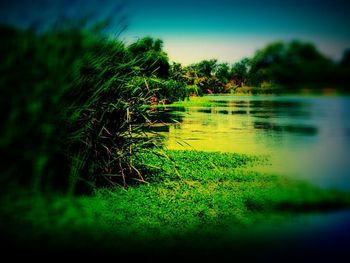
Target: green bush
[(195, 90), (35, 77), (165, 91), (72, 110)]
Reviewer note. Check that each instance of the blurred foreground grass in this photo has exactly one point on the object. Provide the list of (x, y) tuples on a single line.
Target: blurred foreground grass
[(200, 199)]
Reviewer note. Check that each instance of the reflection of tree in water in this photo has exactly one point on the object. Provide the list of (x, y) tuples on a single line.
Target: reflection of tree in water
[(168, 115), (296, 129), (285, 109), (161, 119), (267, 109), (260, 108)]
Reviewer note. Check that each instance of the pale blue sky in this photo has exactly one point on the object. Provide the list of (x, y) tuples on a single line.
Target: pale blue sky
[(200, 29), (231, 30)]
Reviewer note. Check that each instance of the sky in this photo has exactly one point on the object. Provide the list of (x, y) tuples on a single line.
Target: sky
[(227, 30)]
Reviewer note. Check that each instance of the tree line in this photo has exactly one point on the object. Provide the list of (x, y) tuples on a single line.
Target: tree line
[(280, 66)]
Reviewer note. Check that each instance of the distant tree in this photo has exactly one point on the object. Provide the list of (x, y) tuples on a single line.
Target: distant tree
[(190, 75), (345, 61), (150, 56), (240, 72), (177, 72), (223, 72), (265, 62), (291, 63), (305, 64), (343, 70), (205, 77), (206, 68)]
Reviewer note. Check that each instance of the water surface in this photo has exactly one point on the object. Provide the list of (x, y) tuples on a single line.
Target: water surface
[(306, 137)]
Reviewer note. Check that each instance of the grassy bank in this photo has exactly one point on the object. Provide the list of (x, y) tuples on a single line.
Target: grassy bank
[(193, 101), (192, 200)]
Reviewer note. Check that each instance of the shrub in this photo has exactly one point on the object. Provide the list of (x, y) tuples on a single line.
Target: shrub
[(165, 91), (194, 90), (72, 111)]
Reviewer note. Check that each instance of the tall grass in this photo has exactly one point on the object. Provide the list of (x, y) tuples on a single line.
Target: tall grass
[(107, 116), (72, 110)]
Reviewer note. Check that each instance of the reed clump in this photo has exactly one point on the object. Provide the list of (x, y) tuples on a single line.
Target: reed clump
[(73, 108)]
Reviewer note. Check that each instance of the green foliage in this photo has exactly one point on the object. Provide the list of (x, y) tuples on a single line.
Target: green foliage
[(195, 101), (290, 64), (342, 74), (106, 121), (177, 72), (196, 196), (205, 77), (164, 91), (206, 68), (209, 76), (194, 90), (36, 76), (73, 107), (240, 72), (223, 73), (285, 66), (150, 57)]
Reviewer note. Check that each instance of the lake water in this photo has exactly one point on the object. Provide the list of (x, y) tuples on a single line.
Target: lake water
[(307, 137), (304, 137)]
